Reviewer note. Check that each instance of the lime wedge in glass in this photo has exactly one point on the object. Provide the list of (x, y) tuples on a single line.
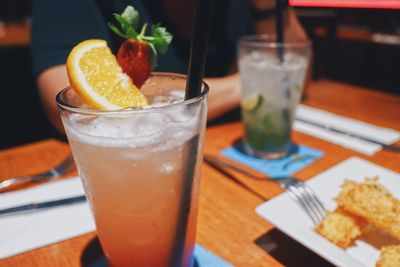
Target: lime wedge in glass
[(298, 87), (252, 103)]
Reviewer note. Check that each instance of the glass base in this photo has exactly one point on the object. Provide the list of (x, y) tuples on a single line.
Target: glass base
[(265, 154)]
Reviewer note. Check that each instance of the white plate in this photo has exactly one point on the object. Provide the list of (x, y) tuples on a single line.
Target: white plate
[(288, 217)]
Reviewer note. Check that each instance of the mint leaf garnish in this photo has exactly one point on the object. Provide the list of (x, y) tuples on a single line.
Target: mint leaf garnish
[(162, 38), (116, 30), (131, 16)]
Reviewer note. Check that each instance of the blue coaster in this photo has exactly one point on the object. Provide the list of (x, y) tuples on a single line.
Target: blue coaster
[(204, 258), (298, 158)]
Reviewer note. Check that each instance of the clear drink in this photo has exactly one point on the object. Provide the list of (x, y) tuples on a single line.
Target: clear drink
[(140, 170), (271, 90)]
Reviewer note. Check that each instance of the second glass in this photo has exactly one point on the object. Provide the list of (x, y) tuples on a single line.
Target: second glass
[(272, 76), (140, 169)]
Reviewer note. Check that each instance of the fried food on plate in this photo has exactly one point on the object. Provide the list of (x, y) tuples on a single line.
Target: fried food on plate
[(390, 257), (373, 202), (341, 227)]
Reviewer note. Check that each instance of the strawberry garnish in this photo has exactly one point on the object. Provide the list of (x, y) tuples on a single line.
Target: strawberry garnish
[(137, 55)]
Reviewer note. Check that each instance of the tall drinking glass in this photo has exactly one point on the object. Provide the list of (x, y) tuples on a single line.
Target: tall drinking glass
[(140, 169), (272, 76)]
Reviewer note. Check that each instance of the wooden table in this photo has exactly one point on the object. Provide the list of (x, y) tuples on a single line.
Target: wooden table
[(12, 34), (227, 223)]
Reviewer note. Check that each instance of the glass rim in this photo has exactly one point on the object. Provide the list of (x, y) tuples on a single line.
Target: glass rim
[(90, 111), (268, 41)]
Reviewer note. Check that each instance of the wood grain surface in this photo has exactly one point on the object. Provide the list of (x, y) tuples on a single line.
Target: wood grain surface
[(15, 34), (227, 223)]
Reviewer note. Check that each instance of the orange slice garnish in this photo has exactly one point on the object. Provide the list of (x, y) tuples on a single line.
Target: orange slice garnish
[(95, 75)]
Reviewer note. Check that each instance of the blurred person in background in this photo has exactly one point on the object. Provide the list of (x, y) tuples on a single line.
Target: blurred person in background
[(57, 26)]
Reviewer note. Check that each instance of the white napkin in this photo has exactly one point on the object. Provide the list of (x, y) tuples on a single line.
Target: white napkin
[(23, 232), (379, 134)]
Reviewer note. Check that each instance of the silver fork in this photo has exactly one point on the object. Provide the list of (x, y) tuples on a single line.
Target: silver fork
[(297, 190), (305, 197), (53, 173)]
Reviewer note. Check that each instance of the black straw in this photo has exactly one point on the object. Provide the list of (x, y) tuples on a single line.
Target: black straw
[(279, 29), (198, 47), (197, 61)]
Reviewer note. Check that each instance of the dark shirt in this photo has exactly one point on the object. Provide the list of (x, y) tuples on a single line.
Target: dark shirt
[(57, 26)]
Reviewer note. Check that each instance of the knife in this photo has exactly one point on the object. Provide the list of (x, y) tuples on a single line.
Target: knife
[(335, 130), (43, 205)]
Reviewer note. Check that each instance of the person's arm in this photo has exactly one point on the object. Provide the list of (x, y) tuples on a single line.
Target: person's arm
[(224, 94), (50, 82)]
